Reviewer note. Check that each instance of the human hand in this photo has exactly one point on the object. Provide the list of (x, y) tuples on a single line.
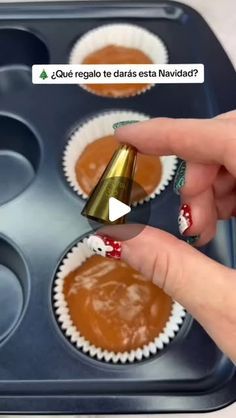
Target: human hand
[(207, 185), (207, 181)]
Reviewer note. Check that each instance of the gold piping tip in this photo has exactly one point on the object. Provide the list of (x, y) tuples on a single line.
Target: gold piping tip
[(116, 182)]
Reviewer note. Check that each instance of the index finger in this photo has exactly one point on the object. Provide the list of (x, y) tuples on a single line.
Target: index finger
[(209, 141)]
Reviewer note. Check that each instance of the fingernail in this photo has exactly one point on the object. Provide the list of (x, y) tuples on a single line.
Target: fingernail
[(122, 123), (179, 180), (193, 239), (104, 246), (185, 218)]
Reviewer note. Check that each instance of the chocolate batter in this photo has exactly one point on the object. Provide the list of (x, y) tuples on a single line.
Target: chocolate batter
[(114, 54), (95, 157), (113, 306)]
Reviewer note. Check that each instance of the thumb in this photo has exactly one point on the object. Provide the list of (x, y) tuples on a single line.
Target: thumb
[(197, 282)]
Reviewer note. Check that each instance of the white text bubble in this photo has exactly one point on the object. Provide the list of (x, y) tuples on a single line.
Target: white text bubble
[(118, 74)]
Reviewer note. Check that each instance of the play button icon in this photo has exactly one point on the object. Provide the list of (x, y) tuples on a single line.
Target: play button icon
[(117, 209), (112, 207)]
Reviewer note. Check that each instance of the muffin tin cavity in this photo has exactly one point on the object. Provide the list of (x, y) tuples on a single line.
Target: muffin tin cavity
[(20, 49), (14, 79), (19, 46), (19, 157), (13, 287)]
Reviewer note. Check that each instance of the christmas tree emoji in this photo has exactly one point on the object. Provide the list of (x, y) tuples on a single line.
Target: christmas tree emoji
[(43, 75)]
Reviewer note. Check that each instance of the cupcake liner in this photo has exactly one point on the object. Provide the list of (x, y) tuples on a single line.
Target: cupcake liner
[(122, 34), (74, 258), (98, 127)]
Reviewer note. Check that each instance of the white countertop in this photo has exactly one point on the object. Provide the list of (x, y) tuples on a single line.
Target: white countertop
[(221, 16)]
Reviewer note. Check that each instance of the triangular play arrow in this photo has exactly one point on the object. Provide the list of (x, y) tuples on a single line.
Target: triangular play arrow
[(117, 209)]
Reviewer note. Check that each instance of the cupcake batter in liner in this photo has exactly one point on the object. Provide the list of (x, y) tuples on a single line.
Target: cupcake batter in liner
[(100, 40), (99, 127), (75, 258)]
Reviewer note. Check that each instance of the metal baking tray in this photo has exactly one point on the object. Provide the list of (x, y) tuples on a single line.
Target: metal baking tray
[(40, 371)]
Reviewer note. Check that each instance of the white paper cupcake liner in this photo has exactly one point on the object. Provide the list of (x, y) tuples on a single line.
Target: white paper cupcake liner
[(74, 258), (122, 34), (98, 127)]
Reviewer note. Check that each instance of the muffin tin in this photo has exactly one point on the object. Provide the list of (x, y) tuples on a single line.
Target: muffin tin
[(40, 372)]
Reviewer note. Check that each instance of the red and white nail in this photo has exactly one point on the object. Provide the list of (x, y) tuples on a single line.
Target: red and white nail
[(185, 218), (104, 246)]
